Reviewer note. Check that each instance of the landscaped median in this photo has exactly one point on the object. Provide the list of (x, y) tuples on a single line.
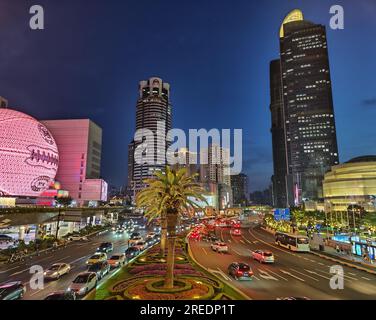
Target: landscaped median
[(143, 279)]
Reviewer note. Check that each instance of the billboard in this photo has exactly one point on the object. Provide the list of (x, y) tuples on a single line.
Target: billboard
[(282, 214), (28, 155)]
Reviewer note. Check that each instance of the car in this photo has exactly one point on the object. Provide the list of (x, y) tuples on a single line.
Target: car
[(101, 269), (12, 290), (97, 257), (131, 252), (120, 231), (61, 295), (240, 271), (149, 242), (134, 240), (135, 235), (77, 238), (219, 246), (116, 260), (57, 270), (262, 256), (236, 232), (105, 247), (151, 235), (140, 245), (83, 283), (5, 238)]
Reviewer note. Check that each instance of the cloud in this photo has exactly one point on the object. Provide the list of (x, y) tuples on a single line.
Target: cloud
[(369, 102)]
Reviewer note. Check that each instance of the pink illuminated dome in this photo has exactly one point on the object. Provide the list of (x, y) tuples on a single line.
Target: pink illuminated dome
[(29, 156)]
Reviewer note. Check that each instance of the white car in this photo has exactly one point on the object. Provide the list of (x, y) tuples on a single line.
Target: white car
[(140, 245), (262, 256), (219, 246), (78, 238), (83, 283), (117, 260), (97, 257), (57, 270)]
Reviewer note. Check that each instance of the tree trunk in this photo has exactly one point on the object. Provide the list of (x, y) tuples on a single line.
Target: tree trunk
[(169, 281), (163, 236), (172, 220)]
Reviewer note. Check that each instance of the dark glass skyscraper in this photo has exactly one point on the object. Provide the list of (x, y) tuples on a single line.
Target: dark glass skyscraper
[(303, 126)]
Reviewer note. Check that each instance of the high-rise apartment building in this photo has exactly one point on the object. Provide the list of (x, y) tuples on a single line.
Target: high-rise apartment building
[(80, 148), (303, 125), (153, 112)]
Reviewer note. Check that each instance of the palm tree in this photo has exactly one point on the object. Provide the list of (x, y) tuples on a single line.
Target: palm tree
[(167, 196)]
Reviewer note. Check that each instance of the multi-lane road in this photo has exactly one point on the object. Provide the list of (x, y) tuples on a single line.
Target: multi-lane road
[(75, 254), (292, 275)]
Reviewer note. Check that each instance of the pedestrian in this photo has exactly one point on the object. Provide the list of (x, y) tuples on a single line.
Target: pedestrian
[(337, 248)]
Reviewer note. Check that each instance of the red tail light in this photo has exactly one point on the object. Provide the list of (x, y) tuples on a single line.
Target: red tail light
[(239, 273)]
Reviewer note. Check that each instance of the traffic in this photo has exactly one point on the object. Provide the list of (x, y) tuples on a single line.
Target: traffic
[(129, 240)]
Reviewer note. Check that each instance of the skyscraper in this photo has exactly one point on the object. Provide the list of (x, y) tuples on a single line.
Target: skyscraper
[(303, 125), (239, 186), (153, 107)]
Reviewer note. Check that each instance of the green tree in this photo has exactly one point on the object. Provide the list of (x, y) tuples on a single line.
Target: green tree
[(167, 196), (65, 201)]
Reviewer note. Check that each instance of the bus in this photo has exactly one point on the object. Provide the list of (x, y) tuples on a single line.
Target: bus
[(292, 242)]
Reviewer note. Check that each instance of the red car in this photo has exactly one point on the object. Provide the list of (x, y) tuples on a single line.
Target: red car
[(236, 232)]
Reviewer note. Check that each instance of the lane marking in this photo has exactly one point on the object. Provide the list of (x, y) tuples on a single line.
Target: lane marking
[(62, 259), (366, 278), (313, 272), (256, 278), (321, 264), (242, 241), (291, 275), (303, 274), (7, 270), (266, 276), (353, 274), (203, 249), (224, 275), (19, 272), (237, 252), (277, 275)]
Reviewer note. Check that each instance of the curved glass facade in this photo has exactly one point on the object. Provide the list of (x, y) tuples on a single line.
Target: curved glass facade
[(352, 183)]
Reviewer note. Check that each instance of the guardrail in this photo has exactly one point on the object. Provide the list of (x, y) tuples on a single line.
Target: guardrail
[(52, 249)]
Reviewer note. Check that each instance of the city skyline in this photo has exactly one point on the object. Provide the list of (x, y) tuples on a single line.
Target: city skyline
[(239, 88)]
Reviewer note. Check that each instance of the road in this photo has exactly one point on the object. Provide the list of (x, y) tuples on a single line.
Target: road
[(293, 274), (75, 254)]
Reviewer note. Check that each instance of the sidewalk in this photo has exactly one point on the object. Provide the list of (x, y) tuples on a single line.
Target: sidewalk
[(330, 253)]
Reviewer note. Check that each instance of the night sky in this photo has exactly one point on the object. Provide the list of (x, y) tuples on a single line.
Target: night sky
[(215, 54)]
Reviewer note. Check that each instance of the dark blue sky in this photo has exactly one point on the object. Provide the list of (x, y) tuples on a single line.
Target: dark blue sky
[(215, 54)]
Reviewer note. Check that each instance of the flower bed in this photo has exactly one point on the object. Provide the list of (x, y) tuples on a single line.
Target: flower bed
[(195, 290)]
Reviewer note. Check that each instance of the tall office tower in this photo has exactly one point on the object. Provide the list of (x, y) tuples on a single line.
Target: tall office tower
[(309, 133), (80, 148), (215, 170), (187, 160), (239, 186), (215, 165), (3, 103), (130, 165), (153, 107)]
